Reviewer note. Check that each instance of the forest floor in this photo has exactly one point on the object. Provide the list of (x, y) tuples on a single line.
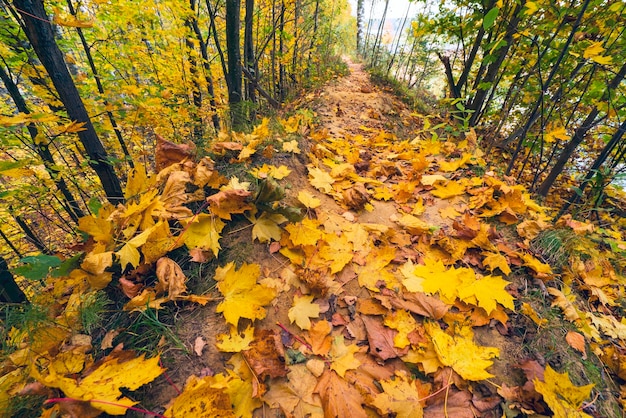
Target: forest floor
[(419, 281), (360, 338)]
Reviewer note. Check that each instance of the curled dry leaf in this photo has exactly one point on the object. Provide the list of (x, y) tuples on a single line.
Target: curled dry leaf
[(168, 153)]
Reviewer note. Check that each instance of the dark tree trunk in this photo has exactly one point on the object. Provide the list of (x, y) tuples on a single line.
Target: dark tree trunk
[(492, 71), (579, 135), (545, 86), (43, 149), (207, 68), (248, 47), (41, 37), (94, 70), (233, 49), (10, 292), (600, 159)]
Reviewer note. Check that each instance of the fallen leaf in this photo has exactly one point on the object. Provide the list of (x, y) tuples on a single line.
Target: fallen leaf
[(460, 352), (400, 397), (235, 341), (563, 398), (381, 339), (302, 310), (243, 297), (265, 355), (200, 399), (339, 399), (198, 346)]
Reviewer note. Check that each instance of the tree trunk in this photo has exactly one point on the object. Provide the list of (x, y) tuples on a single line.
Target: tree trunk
[(94, 71), (478, 102), (207, 68), (248, 48), (39, 33), (579, 135), (234, 76), (545, 86), (600, 159), (10, 292), (360, 10)]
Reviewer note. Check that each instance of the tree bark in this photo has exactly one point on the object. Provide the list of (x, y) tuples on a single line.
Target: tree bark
[(10, 292), (579, 135), (233, 49), (39, 33), (600, 159), (42, 148)]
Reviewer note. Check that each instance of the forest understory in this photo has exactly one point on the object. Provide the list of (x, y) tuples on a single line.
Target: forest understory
[(351, 258)]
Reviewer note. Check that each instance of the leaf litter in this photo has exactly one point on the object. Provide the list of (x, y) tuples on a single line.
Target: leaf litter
[(380, 283)]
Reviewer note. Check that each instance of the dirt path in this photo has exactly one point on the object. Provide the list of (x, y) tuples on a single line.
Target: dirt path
[(384, 278)]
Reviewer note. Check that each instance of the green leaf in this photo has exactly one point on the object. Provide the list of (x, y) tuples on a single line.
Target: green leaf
[(66, 267), (94, 205), (37, 267), (490, 18)]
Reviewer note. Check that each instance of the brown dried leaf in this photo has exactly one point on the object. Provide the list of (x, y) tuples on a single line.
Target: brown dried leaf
[(227, 202), (381, 339), (171, 278), (107, 341), (339, 399), (168, 153), (265, 355)]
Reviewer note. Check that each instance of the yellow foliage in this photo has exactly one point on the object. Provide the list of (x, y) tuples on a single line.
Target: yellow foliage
[(243, 297)]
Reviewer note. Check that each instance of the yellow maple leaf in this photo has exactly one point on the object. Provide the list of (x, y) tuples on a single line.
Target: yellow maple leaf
[(295, 396), (70, 21), (487, 293), (450, 189), (239, 388), (557, 133), (291, 146), (321, 180), (159, 243), (436, 278), (414, 225), (375, 271), (265, 171), (563, 398), (305, 232), (496, 260), (528, 310), (120, 369), (302, 310), (96, 262), (382, 193), (449, 166), (100, 229), (400, 397), (402, 321), (449, 212), (235, 341), (266, 227), (460, 352), (593, 50), (534, 264), (243, 296), (199, 399), (338, 251), (308, 200), (204, 233), (342, 356)]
